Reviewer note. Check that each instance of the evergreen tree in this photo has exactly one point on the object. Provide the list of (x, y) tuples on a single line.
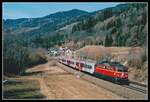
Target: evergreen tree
[(108, 40)]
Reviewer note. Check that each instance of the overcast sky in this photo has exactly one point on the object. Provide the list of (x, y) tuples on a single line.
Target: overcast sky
[(33, 10)]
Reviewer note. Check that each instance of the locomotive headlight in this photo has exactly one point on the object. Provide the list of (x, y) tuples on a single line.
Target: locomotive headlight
[(122, 74)]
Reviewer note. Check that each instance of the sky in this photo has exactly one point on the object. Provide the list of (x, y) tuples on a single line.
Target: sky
[(33, 10)]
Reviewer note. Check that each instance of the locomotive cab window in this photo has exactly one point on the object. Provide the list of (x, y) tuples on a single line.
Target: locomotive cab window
[(106, 65), (125, 70), (120, 70), (101, 66), (109, 68)]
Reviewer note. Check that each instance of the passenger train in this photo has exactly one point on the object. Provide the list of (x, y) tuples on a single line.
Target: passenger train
[(112, 71)]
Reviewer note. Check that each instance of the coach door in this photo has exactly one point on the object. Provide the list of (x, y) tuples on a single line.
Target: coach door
[(68, 62), (79, 65)]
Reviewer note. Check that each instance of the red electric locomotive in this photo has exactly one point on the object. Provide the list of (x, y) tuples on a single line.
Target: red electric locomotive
[(112, 70)]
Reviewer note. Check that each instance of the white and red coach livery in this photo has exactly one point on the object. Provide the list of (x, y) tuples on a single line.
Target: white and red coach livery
[(112, 70)]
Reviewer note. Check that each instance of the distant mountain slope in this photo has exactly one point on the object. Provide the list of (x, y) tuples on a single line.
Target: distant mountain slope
[(45, 24), (123, 25)]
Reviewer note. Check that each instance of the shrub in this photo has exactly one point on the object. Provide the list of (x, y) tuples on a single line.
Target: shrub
[(95, 52), (137, 57), (37, 57)]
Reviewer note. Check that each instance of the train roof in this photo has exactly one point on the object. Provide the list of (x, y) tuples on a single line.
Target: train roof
[(81, 60), (114, 63)]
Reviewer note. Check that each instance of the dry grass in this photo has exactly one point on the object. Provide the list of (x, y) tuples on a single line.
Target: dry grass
[(17, 89), (100, 52), (120, 54), (137, 57), (119, 49), (52, 63), (37, 57), (94, 52)]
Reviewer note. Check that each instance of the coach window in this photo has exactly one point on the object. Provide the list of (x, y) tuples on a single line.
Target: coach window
[(88, 66), (72, 62), (82, 64), (64, 60)]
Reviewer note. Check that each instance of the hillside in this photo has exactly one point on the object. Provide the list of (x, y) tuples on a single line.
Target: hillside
[(45, 24), (123, 25)]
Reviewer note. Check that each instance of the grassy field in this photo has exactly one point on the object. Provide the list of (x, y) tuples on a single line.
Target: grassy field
[(22, 90), (119, 49), (99, 52)]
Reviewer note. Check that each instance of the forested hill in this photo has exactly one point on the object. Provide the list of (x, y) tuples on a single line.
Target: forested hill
[(44, 24), (123, 25)]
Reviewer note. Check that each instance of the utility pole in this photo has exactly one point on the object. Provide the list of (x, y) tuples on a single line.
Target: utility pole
[(79, 66), (65, 46)]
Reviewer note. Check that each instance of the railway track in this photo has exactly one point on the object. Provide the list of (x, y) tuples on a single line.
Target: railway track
[(132, 91), (137, 86), (143, 90)]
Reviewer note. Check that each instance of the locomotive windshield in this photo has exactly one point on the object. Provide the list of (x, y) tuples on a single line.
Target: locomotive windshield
[(120, 67)]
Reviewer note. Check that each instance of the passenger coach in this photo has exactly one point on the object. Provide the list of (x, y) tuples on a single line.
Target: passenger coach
[(105, 69)]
